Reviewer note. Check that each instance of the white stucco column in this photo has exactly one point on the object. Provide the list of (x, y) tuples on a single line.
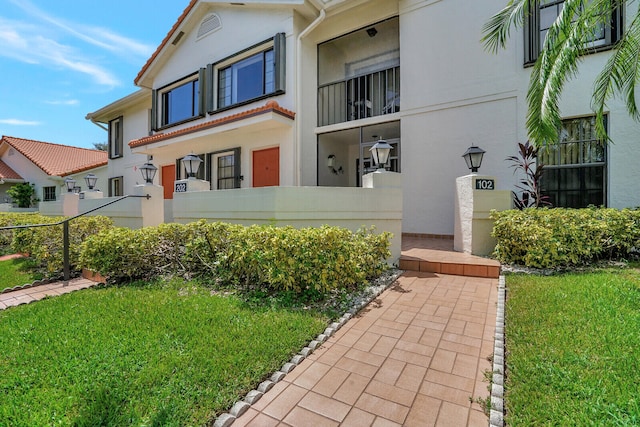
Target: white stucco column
[(382, 179), (476, 196), (152, 209), (70, 204), (387, 187)]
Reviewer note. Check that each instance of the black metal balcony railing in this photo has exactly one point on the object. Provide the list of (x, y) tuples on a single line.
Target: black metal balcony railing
[(360, 97)]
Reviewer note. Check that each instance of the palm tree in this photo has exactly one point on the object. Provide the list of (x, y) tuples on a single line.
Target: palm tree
[(565, 45)]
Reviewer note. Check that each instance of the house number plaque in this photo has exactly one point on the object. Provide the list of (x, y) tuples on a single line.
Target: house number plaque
[(482, 184), (181, 187)]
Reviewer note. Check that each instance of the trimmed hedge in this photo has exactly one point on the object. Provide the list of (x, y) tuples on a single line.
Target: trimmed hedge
[(547, 238), (11, 219), (275, 258), (45, 244)]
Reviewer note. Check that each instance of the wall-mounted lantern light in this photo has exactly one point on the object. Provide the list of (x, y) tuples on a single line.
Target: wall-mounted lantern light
[(191, 164), (70, 183), (91, 180), (380, 153), (148, 171), (473, 158)]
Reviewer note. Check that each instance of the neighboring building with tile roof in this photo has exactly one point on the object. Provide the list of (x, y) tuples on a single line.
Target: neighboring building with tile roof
[(45, 165), (296, 92)]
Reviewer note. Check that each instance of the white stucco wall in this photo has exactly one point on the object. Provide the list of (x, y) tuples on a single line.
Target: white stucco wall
[(135, 124), (352, 208), (453, 94), (30, 172)]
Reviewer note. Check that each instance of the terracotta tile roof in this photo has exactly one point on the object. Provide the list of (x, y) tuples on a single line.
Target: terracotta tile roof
[(164, 42), (7, 173), (269, 107), (56, 159)]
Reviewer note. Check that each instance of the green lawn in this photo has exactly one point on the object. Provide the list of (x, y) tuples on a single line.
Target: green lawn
[(573, 349), (17, 272), (154, 355)]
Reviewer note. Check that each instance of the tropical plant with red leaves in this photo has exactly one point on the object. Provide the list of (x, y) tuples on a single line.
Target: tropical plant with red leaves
[(526, 163)]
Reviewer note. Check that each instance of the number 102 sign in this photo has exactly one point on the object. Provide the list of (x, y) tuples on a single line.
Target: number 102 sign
[(485, 184)]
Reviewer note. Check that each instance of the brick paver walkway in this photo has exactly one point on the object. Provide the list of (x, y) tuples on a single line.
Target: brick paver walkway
[(36, 293), (415, 356)]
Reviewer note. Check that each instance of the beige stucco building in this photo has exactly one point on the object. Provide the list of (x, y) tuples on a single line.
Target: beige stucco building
[(295, 92)]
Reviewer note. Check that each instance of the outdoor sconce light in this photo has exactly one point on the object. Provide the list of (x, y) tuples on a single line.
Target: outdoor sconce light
[(380, 153), (191, 164), (473, 157), (331, 164), (70, 183), (148, 171), (372, 31), (91, 180)]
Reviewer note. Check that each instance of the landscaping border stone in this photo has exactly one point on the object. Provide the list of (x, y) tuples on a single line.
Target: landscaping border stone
[(496, 416)]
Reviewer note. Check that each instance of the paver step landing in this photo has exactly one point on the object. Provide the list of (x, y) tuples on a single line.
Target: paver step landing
[(436, 255)]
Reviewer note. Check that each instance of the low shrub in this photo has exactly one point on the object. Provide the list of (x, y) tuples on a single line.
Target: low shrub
[(547, 238), (45, 244), (273, 258), (13, 219)]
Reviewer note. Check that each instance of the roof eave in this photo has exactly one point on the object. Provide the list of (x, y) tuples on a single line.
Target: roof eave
[(104, 114), (85, 168), (270, 107), (306, 7)]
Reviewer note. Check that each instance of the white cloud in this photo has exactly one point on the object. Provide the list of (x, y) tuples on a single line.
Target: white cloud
[(24, 43), (14, 45), (63, 102), (18, 122), (100, 37), (34, 43), (117, 43)]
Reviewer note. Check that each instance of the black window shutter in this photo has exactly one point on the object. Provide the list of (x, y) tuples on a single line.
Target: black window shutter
[(236, 165), (209, 92), (120, 135), (202, 96), (154, 110), (279, 54)]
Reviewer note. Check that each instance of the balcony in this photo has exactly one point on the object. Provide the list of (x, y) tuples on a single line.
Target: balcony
[(359, 97)]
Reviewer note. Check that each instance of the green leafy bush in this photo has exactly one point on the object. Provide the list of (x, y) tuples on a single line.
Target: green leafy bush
[(546, 238), (13, 219), (274, 258), (45, 244), (23, 194)]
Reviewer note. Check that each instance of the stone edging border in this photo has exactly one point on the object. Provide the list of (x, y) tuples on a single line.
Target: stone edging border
[(29, 285), (496, 416), (241, 406), (87, 274)]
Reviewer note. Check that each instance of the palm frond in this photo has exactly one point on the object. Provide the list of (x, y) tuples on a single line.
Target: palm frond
[(620, 74), (498, 29), (558, 62)]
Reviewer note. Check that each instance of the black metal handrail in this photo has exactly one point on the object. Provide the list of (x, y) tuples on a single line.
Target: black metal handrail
[(65, 230)]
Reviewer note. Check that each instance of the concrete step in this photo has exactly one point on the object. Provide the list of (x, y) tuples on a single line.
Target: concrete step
[(430, 255)]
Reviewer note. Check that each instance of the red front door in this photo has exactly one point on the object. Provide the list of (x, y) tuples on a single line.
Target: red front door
[(168, 177), (266, 167)]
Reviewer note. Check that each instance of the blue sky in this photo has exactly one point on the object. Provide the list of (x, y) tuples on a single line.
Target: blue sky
[(61, 59)]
